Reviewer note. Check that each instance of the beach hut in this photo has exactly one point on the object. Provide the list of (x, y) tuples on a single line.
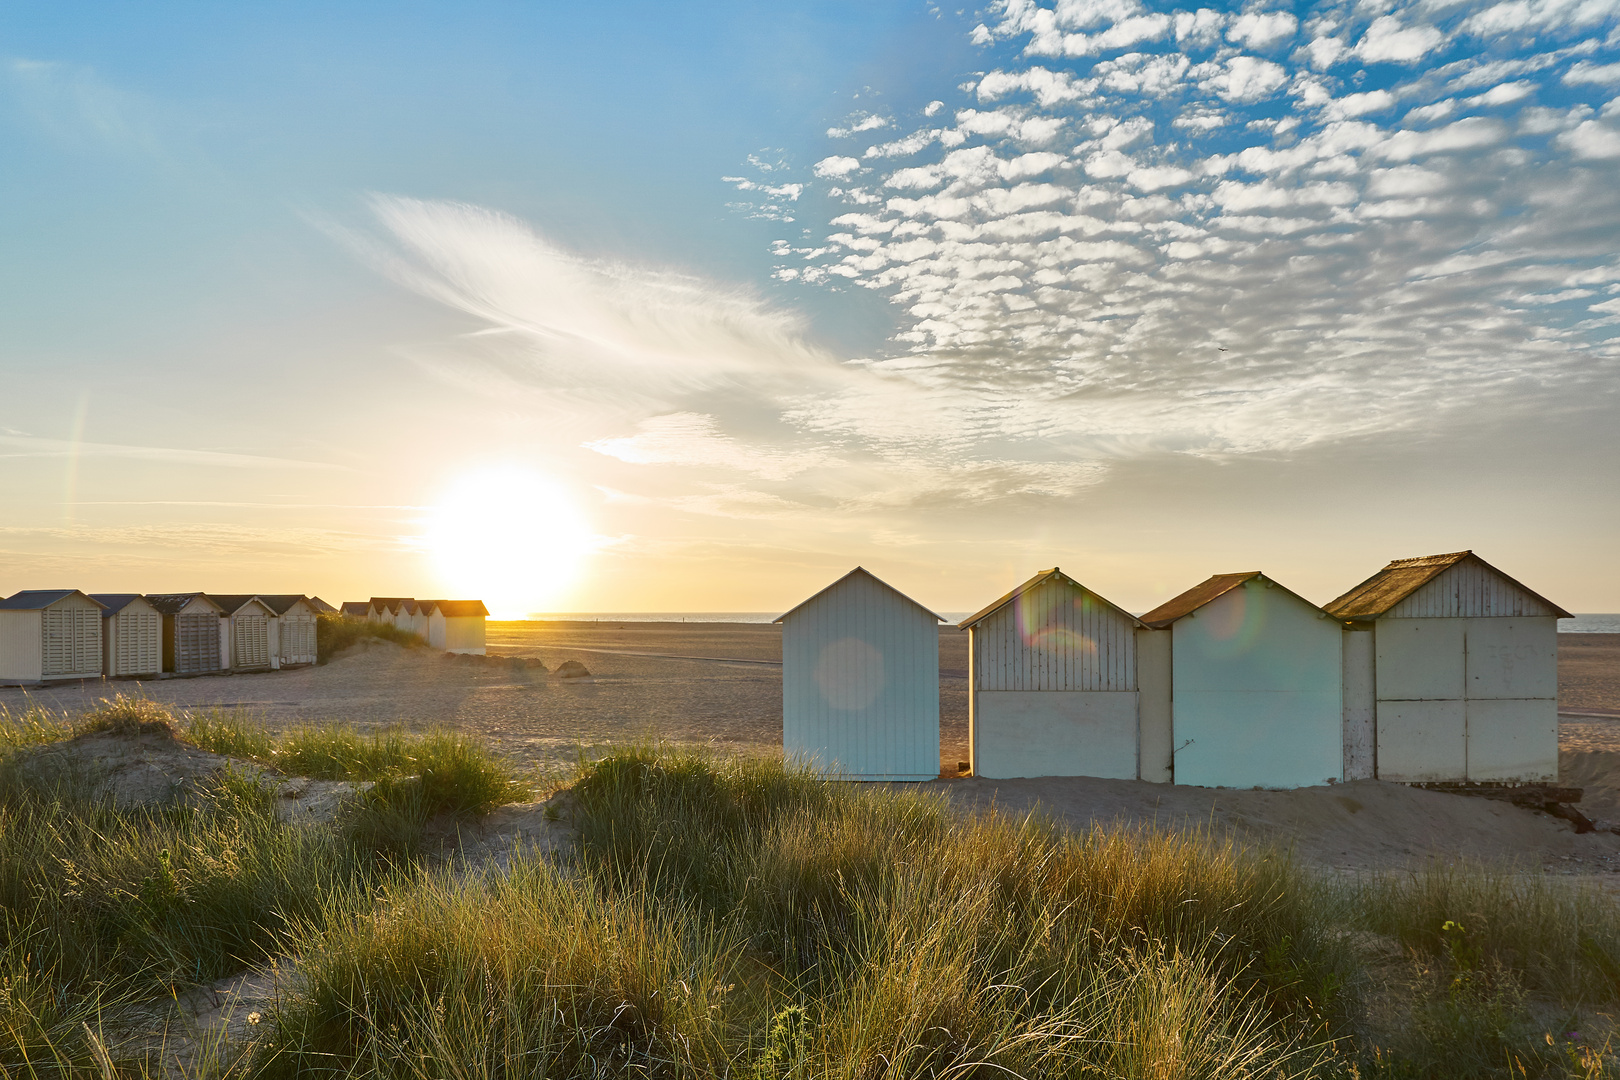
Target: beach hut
[(131, 635), (860, 682), (385, 609), (413, 617), (292, 629), (321, 606), (1459, 674), (194, 633), (455, 625), (1052, 686), (49, 634), (247, 621), (355, 609), (1254, 685)]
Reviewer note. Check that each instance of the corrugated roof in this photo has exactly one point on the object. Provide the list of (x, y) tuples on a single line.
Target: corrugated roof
[(1196, 597), (1040, 579), (171, 603), (281, 603), (1403, 577), (114, 602), (36, 599), (846, 577), (457, 609)]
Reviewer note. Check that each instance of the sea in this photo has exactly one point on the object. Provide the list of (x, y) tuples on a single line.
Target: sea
[(1580, 624)]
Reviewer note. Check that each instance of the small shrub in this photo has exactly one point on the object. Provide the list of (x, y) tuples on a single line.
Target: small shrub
[(334, 633)]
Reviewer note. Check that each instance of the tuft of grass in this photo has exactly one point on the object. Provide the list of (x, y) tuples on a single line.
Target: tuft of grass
[(32, 726), (334, 633)]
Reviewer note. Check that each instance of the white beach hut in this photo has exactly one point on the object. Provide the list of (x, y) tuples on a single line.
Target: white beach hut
[(860, 682), (49, 634), (355, 609), (455, 625), (321, 606), (247, 622), (292, 629), (1458, 676), (1254, 685), (131, 635), (385, 609), (194, 633), (1052, 685)]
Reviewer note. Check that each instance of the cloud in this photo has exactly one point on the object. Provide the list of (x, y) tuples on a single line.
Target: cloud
[(32, 446), (1584, 72), (857, 124), (1262, 31), (836, 166), (1246, 79), (1388, 40), (695, 440), (1592, 141)]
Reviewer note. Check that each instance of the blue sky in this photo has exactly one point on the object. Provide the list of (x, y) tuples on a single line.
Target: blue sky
[(727, 298)]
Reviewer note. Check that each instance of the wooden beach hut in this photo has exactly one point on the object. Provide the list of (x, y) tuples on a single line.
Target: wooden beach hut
[(385, 609), (247, 620), (292, 630), (194, 633), (1458, 677), (131, 635), (1254, 685), (321, 606), (1052, 683), (860, 682), (455, 625), (355, 609), (48, 634)]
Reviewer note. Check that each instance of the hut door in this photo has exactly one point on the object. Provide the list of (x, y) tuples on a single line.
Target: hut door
[(252, 641), (196, 643), (71, 642)]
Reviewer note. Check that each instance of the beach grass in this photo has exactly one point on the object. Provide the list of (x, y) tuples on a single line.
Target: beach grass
[(334, 633)]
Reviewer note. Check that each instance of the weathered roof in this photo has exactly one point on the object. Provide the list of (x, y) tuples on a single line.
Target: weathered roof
[(171, 603), (231, 603), (281, 603), (114, 602), (1038, 580), (864, 572), (1403, 577), (1196, 597), (389, 604), (36, 599), (321, 606), (456, 609), (356, 607)]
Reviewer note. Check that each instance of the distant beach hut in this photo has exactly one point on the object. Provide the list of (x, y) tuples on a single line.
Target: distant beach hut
[(385, 609), (131, 635), (860, 682), (48, 634), (355, 609), (247, 619), (1052, 683), (292, 629), (455, 625), (1254, 685), (413, 617), (321, 606), (194, 633), (1460, 671)]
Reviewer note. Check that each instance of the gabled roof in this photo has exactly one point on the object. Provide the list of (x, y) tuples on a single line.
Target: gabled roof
[(861, 570), (1196, 597), (321, 606), (231, 603), (37, 599), (171, 603), (1038, 580), (281, 603), (389, 604), (114, 602), (356, 607), (1403, 577), (454, 609)]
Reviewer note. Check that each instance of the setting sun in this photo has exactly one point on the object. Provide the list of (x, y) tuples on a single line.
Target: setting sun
[(509, 537)]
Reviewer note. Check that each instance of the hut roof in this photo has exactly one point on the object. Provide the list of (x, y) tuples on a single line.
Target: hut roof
[(114, 602), (456, 609), (281, 603), (37, 599), (390, 604), (231, 603), (861, 570), (1038, 580), (321, 606), (356, 607), (171, 603), (1403, 577), (1196, 597)]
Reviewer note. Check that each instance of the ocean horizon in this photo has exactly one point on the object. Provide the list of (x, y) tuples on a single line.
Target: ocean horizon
[(1597, 623)]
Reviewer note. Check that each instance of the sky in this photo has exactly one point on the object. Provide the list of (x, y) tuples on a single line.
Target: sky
[(694, 307)]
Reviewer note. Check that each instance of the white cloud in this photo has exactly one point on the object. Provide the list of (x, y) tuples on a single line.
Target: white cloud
[(861, 122), (1246, 79), (1469, 133), (1592, 141), (1352, 105), (1262, 31), (836, 166), (1388, 40), (695, 440), (1584, 72)]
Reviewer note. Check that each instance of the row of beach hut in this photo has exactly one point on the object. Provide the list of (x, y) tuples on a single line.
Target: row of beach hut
[(1435, 669), (455, 626)]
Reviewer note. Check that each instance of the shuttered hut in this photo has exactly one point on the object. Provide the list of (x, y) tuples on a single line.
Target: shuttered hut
[(247, 621), (1052, 686), (194, 633), (48, 634), (860, 682), (131, 635), (455, 625), (292, 630), (1254, 685), (1460, 676)]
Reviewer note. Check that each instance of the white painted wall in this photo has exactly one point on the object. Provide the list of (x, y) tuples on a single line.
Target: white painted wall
[(1360, 706), (1055, 733), (292, 635), (71, 638), (1153, 705), (860, 684), (132, 641), (1256, 692), (20, 639)]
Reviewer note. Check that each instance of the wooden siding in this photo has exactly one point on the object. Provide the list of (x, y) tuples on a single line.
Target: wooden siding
[(1469, 590), (72, 638), (196, 642), (1055, 637), (251, 634), (20, 659), (860, 683), (134, 641)]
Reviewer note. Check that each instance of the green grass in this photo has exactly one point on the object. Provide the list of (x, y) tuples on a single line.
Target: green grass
[(334, 633)]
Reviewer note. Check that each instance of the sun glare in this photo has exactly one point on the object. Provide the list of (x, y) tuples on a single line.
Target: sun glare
[(508, 537)]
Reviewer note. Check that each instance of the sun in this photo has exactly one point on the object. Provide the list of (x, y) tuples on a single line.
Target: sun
[(509, 537)]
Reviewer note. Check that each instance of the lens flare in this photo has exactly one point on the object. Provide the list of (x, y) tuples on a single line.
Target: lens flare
[(1049, 619)]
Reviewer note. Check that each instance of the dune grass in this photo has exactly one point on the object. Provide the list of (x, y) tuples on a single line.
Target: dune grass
[(334, 633)]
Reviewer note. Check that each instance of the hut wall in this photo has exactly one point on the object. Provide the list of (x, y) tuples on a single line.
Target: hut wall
[(133, 642), (463, 634), (1255, 677), (292, 636), (71, 641), (1470, 590), (22, 658), (1360, 706), (860, 684), (1153, 705)]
